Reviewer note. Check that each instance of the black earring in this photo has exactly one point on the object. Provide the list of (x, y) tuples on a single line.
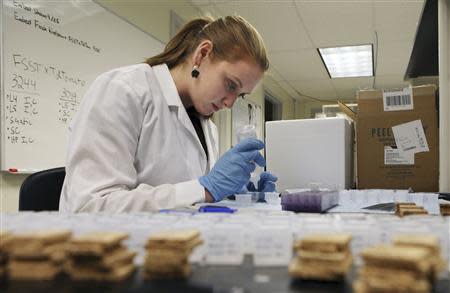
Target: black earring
[(195, 71)]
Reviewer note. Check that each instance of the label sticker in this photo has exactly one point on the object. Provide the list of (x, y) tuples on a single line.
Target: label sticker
[(394, 156), (398, 100), (410, 137)]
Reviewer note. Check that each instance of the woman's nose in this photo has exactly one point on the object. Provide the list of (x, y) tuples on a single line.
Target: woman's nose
[(228, 101)]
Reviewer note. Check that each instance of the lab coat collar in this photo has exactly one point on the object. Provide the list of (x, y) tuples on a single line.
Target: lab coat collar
[(170, 93), (166, 82)]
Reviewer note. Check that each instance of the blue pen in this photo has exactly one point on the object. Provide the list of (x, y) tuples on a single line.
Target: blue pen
[(216, 209), (177, 211)]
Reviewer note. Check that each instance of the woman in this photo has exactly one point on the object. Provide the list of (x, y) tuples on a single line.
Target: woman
[(142, 138)]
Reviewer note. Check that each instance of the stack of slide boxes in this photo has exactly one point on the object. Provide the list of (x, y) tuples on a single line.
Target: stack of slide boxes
[(37, 255), (428, 242), (445, 209), (100, 256), (409, 208), (4, 239), (393, 269), (168, 253), (322, 257)]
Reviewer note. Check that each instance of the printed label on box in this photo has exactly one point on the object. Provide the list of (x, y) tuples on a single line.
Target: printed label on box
[(396, 157), (398, 100), (410, 137)]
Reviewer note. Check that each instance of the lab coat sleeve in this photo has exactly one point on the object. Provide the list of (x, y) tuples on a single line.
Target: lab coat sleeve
[(100, 171)]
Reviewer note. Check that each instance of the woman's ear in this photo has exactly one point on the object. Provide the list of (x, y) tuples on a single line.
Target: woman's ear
[(204, 50)]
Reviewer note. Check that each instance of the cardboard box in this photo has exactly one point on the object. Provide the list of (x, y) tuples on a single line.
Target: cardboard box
[(305, 151), (380, 164)]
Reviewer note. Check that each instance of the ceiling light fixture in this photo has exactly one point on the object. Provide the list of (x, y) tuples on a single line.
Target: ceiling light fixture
[(348, 61)]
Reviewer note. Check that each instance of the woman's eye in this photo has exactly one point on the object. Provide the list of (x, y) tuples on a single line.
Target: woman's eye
[(231, 87)]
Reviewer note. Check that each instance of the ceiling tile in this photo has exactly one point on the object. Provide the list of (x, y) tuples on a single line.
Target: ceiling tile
[(393, 57), (317, 88), (200, 2), (397, 20), (213, 11), (274, 73), (276, 21), (289, 89), (208, 8), (336, 23), (276, 89), (346, 87), (300, 64)]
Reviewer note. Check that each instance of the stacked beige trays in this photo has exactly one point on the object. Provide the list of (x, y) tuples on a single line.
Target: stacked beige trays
[(100, 256), (430, 243), (322, 257), (395, 269), (5, 237), (445, 209), (168, 253), (409, 208), (37, 255)]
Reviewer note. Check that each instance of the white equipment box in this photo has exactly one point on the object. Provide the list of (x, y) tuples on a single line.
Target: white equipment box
[(305, 151)]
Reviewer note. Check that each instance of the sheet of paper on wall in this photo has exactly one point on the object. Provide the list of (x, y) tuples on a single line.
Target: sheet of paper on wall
[(410, 137)]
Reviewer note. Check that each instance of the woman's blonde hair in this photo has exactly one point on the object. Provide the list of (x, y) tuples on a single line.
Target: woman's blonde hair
[(233, 39)]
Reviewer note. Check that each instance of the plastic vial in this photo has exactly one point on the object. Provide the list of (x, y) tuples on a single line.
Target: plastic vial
[(244, 132)]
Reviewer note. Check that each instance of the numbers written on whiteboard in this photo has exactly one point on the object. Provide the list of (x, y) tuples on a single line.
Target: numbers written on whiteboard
[(68, 105), (20, 82), (21, 108)]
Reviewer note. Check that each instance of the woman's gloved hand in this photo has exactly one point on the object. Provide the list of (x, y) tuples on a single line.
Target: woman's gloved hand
[(266, 183), (233, 169)]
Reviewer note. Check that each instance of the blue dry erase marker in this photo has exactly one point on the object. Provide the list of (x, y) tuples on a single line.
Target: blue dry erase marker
[(216, 209)]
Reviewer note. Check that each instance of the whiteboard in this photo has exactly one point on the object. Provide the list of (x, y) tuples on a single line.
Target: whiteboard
[(51, 51)]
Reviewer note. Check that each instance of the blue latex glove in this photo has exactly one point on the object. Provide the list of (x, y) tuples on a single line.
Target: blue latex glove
[(266, 183), (233, 169)]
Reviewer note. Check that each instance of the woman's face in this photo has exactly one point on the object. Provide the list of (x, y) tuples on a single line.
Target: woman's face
[(220, 83)]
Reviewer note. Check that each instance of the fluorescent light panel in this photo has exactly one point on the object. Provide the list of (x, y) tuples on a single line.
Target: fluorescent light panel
[(349, 61)]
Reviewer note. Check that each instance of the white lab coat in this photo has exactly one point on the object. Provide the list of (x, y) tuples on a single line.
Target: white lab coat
[(132, 146)]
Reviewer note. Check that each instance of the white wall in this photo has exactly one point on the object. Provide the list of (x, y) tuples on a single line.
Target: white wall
[(305, 106), (287, 101), (9, 191)]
